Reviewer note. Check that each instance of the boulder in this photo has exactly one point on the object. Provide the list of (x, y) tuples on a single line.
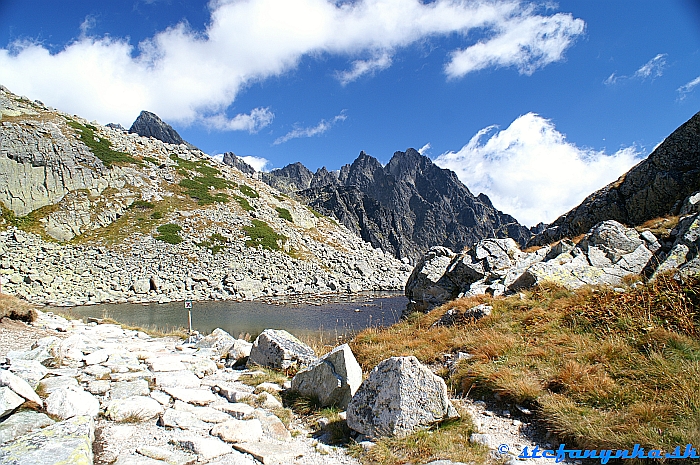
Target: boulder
[(426, 288), (69, 441), (192, 396), (20, 387), (29, 370), (69, 402), (219, 340), (49, 385), (279, 349), (182, 379), (172, 418), (204, 448), (239, 352), (135, 408), (21, 423), (683, 255), (239, 430), (9, 401), (334, 378), (125, 389), (399, 396)]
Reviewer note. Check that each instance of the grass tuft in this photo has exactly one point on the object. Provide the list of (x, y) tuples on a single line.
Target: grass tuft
[(16, 309), (261, 234), (169, 233), (284, 214)]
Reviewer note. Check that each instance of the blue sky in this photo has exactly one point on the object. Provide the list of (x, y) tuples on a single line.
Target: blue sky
[(536, 104)]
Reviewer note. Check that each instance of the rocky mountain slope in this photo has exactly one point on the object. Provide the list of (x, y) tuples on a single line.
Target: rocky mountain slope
[(95, 214), (404, 207), (653, 188)]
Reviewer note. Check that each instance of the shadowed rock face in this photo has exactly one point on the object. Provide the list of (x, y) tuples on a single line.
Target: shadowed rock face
[(655, 187), (404, 207), (231, 159), (150, 125)]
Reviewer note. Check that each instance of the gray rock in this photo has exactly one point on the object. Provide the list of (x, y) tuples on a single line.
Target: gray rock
[(691, 205), (135, 408), (124, 389), (52, 384), (99, 387), (272, 426), (426, 287), (69, 441), (20, 387), (142, 286), (219, 340), (683, 255), (239, 430), (399, 396), (21, 423), (192, 396), (166, 455), (239, 352), (279, 349), (270, 452), (29, 370), (9, 401), (204, 448), (68, 402), (172, 418), (334, 379), (160, 364), (182, 379)]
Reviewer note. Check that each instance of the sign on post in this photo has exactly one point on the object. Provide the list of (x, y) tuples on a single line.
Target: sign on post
[(188, 306)]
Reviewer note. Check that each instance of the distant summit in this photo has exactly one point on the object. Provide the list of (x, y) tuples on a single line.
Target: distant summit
[(404, 208), (653, 188), (150, 125)]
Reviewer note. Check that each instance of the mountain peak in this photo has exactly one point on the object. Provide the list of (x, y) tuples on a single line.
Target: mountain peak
[(150, 125)]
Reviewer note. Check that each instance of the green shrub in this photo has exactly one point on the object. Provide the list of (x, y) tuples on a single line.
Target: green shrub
[(151, 160), (157, 215), (141, 204), (200, 187), (245, 205), (314, 212), (260, 233), (101, 147), (169, 233), (284, 214), (248, 191)]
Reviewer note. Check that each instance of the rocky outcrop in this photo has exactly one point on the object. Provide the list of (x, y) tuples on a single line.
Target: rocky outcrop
[(400, 396), (114, 209), (333, 380), (653, 188), (231, 159), (403, 207), (604, 256), (150, 125)]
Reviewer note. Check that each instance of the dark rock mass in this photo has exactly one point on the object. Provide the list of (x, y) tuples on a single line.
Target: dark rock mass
[(404, 208), (231, 159), (653, 188), (150, 125)]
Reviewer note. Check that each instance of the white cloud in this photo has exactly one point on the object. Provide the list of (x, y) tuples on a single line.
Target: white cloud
[(185, 75), (312, 131), (687, 88), (611, 80), (258, 163), (652, 68), (530, 171), (361, 67), (252, 122), (424, 149), (526, 42)]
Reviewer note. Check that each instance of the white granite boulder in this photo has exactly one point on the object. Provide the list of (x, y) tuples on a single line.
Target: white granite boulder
[(400, 396), (135, 408), (68, 402), (333, 379), (278, 349), (20, 387)]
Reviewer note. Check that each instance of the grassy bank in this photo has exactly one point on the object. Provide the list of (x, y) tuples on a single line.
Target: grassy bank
[(601, 369)]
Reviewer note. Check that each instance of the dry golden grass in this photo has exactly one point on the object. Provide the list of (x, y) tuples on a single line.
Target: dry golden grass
[(16, 309), (602, 369), (660, 227)]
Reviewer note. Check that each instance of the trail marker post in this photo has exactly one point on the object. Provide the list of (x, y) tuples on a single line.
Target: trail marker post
[(188, 306)]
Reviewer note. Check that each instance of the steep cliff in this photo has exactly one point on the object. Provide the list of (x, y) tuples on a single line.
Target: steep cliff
[(654, 187)]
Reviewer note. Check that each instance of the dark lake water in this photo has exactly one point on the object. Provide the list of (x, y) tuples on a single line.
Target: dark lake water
[(336, 316)]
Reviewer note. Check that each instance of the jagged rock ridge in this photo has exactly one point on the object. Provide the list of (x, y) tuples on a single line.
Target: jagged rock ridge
[(404, 207), (231, 159), (150, 125), (653, 188)]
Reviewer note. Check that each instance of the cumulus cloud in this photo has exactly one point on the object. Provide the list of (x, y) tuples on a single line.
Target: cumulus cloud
[(185, 75), (688, 88), (252, 122), (361, 67), (652, 68), (258, 163), (526, 42), (423, 150), (312, 131), (531, 171)]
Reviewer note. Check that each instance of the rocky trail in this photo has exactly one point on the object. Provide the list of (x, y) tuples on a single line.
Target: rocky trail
[(115, 396)]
